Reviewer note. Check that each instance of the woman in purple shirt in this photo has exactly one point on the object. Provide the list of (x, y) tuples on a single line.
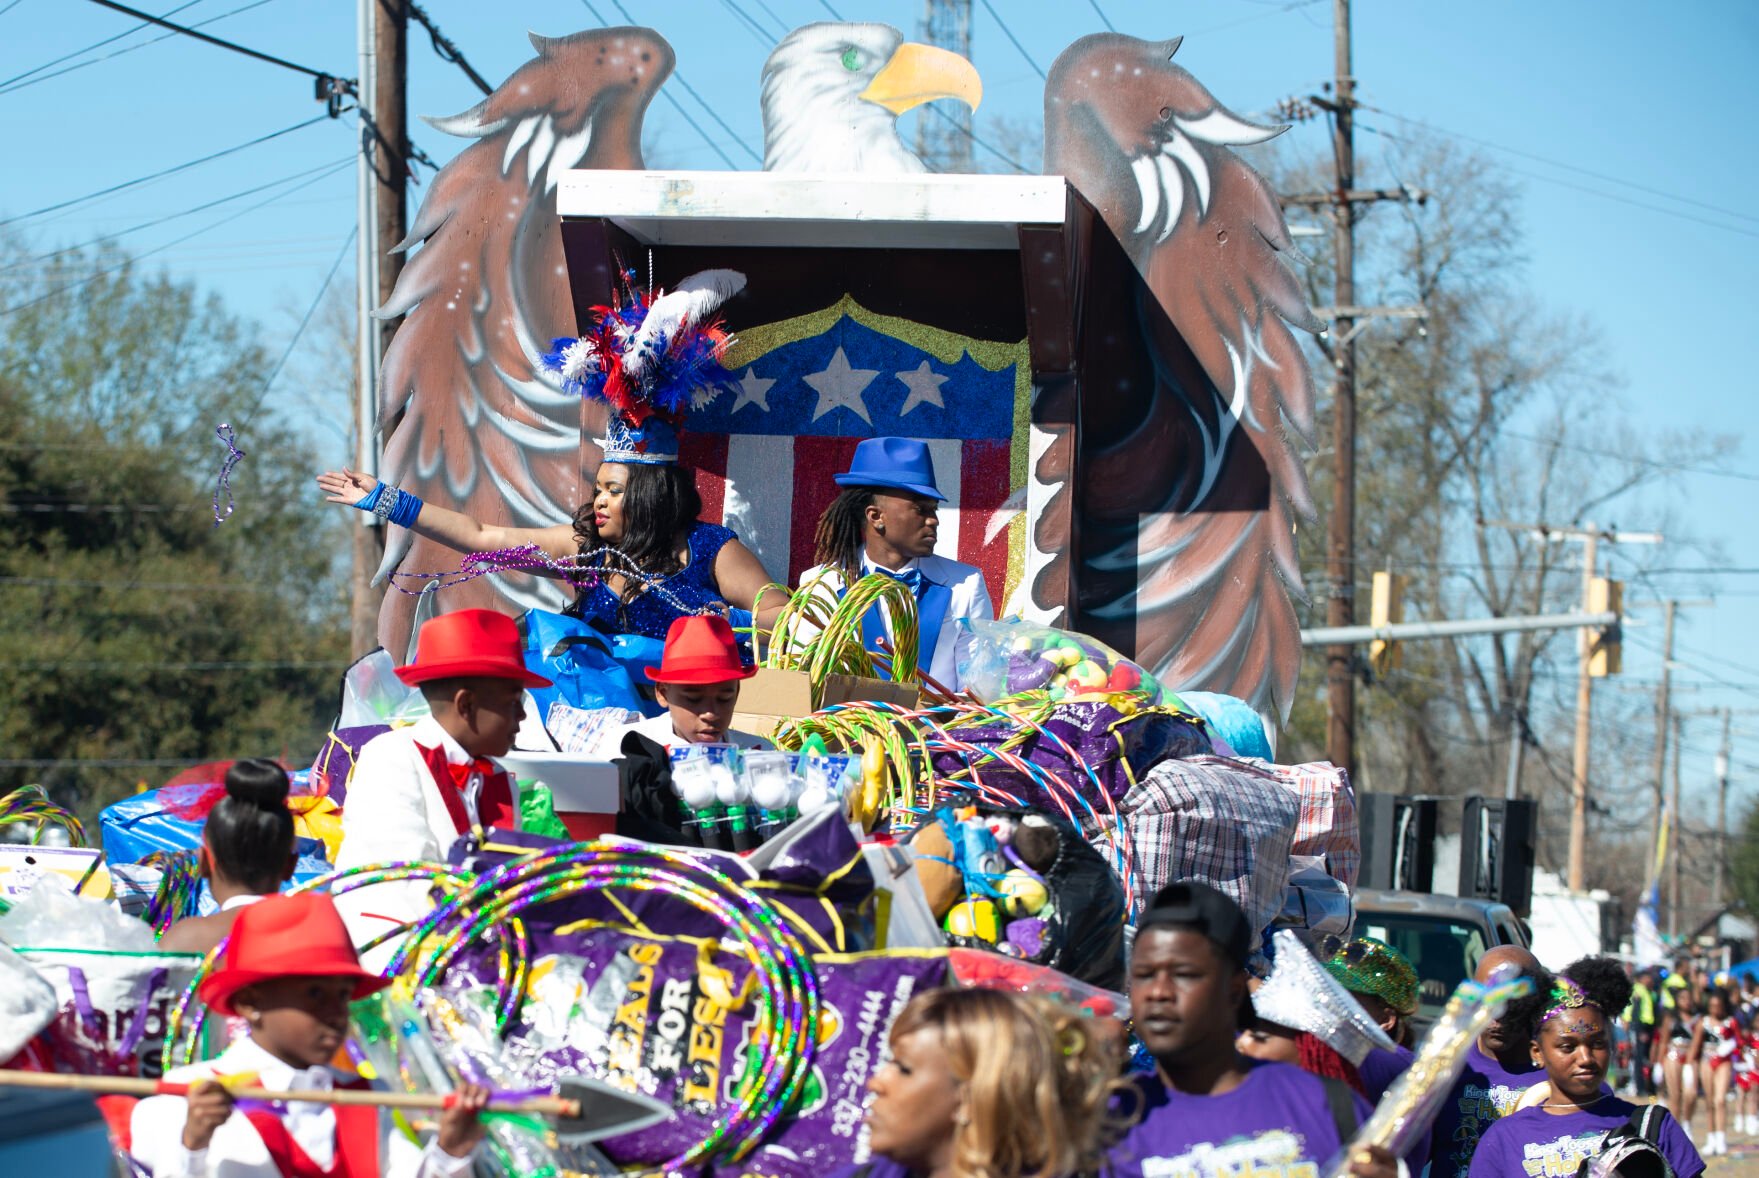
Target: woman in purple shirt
[(989, 1084), (1571, 1039)]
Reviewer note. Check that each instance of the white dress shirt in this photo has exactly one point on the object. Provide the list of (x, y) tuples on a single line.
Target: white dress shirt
[(659, 730), (394, 811), (970, 599), (236, 1150)]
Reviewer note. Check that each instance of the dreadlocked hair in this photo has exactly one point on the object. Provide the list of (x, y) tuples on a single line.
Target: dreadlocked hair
[(1322, 1059), (839, 540)]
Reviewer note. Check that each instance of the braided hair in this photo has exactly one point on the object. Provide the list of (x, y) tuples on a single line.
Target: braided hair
[(841, 535)]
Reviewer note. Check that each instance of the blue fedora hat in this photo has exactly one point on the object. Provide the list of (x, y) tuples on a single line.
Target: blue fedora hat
[(901, 464)]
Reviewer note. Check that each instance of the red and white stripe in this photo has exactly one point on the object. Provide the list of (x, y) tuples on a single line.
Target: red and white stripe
[(772, 489)]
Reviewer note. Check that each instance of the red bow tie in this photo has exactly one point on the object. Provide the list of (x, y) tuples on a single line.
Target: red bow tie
[(461, 773)]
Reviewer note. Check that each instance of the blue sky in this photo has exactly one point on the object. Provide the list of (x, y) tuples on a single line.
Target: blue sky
[(1649, 94)]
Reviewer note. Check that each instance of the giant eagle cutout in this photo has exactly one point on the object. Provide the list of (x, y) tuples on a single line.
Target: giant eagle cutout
[(1188, 494)]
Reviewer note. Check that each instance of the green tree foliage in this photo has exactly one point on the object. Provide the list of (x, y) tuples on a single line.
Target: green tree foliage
[(132, 628)]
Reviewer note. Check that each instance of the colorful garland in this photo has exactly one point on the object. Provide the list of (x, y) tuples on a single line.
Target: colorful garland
[(581, 570), (31, 803), (788, 1007), (179, 890)]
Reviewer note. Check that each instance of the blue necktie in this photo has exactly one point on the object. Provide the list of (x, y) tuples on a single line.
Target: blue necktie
[(932, 601)]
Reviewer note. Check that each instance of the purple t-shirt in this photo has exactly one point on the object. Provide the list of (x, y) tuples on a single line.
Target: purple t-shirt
[(1378, 1071), (1276, 1124), (1484, 1092), (1533, 1143)]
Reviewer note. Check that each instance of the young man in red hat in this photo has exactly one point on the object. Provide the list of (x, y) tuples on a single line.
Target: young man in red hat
[(697, 682), (289, 972), (415, 790)]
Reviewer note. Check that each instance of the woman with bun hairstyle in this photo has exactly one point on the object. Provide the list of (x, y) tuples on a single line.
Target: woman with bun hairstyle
[(1569, 1029), (247, 852), (989, 1084)]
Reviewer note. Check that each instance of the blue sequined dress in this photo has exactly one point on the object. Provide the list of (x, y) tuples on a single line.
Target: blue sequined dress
[(650, 614)]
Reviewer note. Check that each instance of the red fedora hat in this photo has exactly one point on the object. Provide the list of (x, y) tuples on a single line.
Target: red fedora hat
[(300, 936), (700, 650), (469, 643)]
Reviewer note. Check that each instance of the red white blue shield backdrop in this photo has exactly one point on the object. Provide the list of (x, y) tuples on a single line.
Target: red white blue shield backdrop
[(803, 392)]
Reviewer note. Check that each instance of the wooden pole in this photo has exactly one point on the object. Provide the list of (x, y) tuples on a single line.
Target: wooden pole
[(1658, 769), (1340, 659), (550, 1106), (1584, 726)]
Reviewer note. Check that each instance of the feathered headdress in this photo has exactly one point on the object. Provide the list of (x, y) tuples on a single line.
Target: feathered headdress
[(651, 355)]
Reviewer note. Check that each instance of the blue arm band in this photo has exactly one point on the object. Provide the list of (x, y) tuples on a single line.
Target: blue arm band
[(739, 619), (391, 504)]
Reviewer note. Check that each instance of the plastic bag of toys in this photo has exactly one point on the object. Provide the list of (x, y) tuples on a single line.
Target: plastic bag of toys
[(1009, 656), (1026, 884)]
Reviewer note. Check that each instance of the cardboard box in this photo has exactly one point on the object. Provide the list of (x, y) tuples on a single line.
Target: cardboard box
[(584, 790), (771, 696)]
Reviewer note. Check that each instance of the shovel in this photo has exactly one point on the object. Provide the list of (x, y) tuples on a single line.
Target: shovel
[(585, 1110)]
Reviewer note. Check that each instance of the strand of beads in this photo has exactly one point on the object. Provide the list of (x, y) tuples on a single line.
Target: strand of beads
[(580, 570), (788, 1007), (183, 1032), (31, 803), (179, 886)]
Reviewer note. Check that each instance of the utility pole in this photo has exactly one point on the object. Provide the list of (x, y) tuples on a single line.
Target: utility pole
[(1589, 536), (1722, 754), (1340, 558), (1584, 724), (382, 30), (943, 137), (1662, 704), (1679, 838)]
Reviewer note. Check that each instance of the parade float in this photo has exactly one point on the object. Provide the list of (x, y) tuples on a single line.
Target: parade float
[(1103, 360)]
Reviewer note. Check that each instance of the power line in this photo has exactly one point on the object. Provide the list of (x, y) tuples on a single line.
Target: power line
[(1103, 19), (745, 21), (780, 23), (10, 7), (995, 151), (826, 5), (125, 50), (1610, 179), (94, 45), (321, 75), (162, 220), (1612, 196), (1634, 459), (114, 188), (5, 311), (714, 144), (300, 330), (154, 586), (447, 51), (1015, 41)]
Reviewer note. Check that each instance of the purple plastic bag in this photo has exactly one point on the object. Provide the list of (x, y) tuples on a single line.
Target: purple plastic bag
[(649, 1014), (329, 773), (1119, 748)]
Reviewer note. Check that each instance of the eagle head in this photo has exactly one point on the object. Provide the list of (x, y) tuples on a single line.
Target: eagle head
[(832, 94), (1115, 95), (585, 91)]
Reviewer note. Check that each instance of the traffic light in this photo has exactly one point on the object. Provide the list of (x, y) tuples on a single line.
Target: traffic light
[(1386, 606), (1605, 657)]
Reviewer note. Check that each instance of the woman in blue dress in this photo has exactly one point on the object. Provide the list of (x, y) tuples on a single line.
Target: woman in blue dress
[(648, 358), (642, 507)]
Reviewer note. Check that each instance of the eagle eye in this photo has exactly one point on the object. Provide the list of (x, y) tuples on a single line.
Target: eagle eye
[(852, 59)]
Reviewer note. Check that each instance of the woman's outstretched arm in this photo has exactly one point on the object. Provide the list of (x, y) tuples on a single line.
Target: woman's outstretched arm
[(454, 529)]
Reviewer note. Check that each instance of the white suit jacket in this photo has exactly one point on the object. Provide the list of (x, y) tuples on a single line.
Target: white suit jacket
[(236, 1151), (394, 811), (970, 600)]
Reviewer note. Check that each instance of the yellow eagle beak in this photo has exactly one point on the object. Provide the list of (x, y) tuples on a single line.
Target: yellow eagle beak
[(922, 73)]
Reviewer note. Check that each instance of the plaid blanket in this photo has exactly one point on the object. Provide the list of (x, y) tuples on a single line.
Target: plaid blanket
[(1327, 828), (1226, 823)]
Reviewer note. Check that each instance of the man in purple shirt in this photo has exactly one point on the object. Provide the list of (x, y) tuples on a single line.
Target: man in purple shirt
[(1208, 1111), (1499, 1068)]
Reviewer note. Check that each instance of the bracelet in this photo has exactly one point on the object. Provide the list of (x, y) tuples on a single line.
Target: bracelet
[(739, 619), (391, 504)]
